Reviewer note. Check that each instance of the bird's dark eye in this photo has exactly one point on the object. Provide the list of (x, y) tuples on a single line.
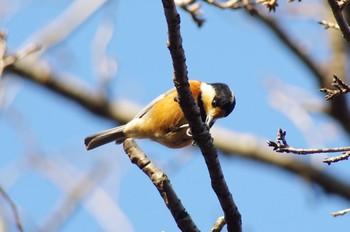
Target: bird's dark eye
[(214, 103)]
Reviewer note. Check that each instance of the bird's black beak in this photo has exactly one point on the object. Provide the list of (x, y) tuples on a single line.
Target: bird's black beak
[(209, 121)]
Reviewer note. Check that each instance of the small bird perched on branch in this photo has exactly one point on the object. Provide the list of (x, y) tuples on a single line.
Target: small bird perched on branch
[(163, 121)]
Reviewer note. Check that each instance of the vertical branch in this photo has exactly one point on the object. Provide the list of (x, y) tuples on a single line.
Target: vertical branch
[(162, 183), (191, 111), (337, 8)]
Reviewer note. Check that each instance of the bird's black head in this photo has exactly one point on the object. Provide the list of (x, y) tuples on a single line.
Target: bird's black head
[(216, 101), (224, 98)]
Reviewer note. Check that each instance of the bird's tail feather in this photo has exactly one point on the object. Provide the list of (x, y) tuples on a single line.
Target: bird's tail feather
[(103, 137)]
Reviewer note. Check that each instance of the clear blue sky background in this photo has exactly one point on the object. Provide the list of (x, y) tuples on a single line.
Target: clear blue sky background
[(231, 47)]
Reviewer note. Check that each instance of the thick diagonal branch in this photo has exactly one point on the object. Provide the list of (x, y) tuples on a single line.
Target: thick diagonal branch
[(337, 8), (199, 130), (162, 183)]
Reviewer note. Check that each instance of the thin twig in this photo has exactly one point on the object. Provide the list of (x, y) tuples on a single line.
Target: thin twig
[(230, 4), (281, 145), (193, 8), (191, 111), (7, 60), (219, 224), (162, 183), (13, 208), (344, 156), (340, 88), (29, 49), (328, 25), (249, 146), (270, 4), (341, 212), (234, 4)]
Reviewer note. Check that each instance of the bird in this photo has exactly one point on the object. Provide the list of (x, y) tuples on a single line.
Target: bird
[(163, 120)]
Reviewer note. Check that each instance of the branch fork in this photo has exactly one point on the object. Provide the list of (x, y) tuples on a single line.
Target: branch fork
[(340, 88), (281, 145)]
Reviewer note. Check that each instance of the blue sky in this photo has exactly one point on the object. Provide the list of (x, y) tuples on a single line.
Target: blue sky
[(231, 47)]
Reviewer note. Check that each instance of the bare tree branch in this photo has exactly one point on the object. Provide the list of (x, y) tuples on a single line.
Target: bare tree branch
[(193, 8), (13, 208), (7, 60), (40, 73), (344, 156), (233, 5), (281, 145), (219, 224), (337, 7), (21, 54), (162, 183), (250, 147), (191, 111), (328, 25), (341, 212), (340, 88), (270, 4)]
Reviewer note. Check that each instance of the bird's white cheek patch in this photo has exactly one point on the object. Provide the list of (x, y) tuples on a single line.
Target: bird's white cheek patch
[(208, 92)]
